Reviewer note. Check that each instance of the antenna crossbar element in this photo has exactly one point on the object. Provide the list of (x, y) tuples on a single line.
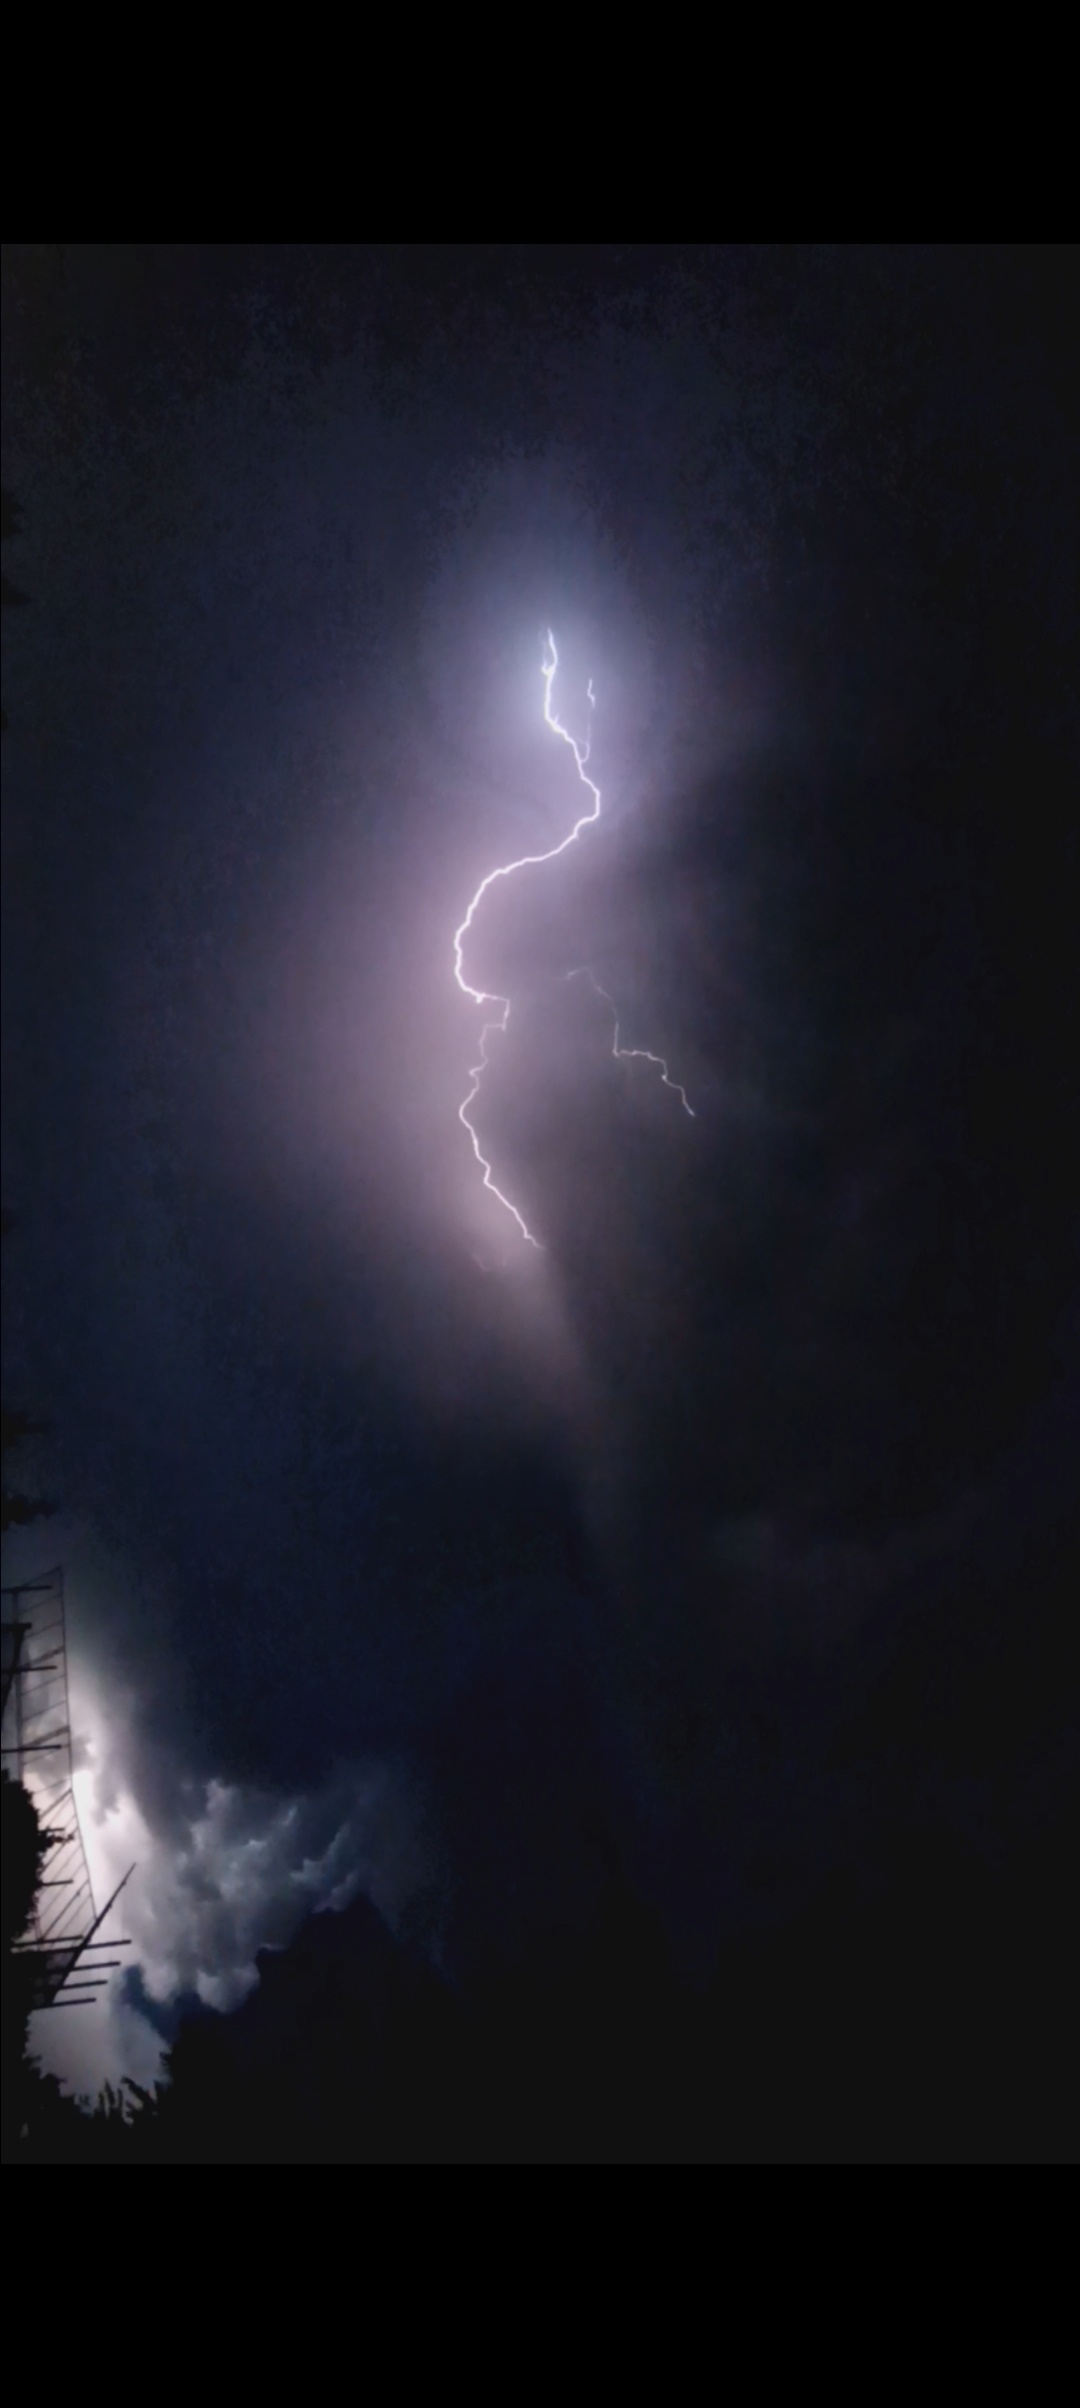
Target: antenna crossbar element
[(62, 1949)]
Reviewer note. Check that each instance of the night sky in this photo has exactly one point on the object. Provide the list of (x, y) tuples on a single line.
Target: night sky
[(715, 1555)]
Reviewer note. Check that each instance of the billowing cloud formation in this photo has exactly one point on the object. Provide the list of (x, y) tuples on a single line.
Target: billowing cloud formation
[(222, 1868)]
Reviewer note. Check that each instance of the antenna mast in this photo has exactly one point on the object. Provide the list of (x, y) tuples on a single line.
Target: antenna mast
[(61, 1947)]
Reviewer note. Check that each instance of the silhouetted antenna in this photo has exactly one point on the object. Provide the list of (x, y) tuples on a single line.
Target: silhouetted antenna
[(62, 1941)]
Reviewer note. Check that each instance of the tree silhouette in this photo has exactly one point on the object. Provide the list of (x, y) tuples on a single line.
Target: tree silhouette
[(16, 1508), (23, 1847)]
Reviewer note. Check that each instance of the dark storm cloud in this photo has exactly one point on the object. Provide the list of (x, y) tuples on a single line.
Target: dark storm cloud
[(294, 525)]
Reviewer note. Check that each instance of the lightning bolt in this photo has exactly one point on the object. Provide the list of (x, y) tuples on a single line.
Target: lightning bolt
[(635, 1053), (479, 995)]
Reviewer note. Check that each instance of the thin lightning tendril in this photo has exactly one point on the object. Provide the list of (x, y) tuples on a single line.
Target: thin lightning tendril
[(635, 1053), (480, 995)]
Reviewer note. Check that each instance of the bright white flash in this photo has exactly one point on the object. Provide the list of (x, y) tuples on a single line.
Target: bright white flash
[(478, 995)]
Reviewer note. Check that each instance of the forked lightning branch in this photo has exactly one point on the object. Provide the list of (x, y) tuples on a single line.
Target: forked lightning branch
[(479, 995)]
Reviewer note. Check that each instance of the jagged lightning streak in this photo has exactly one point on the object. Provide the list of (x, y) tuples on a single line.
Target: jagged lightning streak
[(480, 995), (635, 1053)]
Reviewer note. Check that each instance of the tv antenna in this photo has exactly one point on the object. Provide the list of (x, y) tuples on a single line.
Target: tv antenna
[(61, 1946)]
